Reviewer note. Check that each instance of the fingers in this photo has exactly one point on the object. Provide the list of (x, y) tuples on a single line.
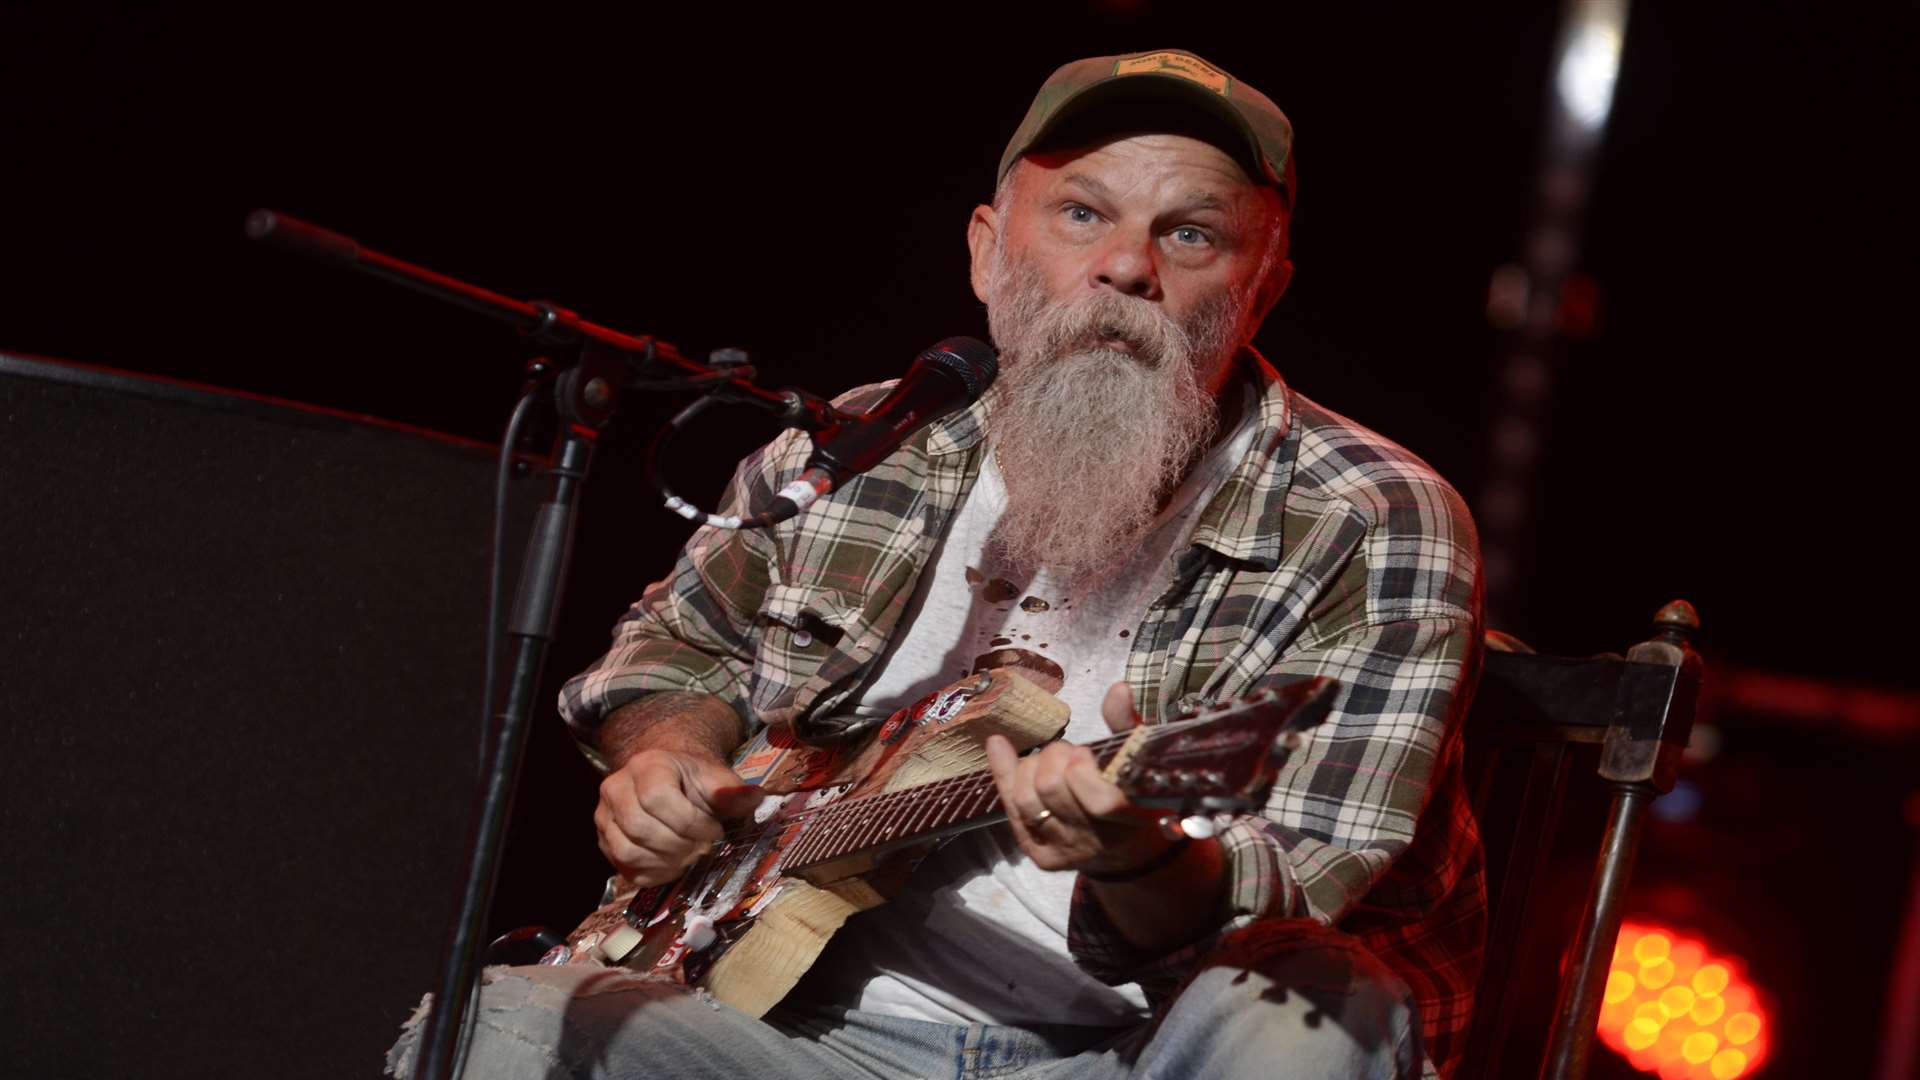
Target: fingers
[(718, 791), (1117, 709), (655, 857), (655, 814), (649, 861), (1052, 768), (1098, 797), (1058, 802), (1002, 761)]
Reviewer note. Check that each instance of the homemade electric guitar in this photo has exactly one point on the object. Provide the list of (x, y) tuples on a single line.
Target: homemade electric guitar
[(840, 829)]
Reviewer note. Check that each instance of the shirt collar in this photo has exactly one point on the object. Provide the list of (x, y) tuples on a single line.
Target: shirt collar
[(958, 432), (1243, 519)]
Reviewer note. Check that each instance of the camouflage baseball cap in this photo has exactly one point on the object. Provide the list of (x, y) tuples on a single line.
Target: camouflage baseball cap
[(1165, 76)]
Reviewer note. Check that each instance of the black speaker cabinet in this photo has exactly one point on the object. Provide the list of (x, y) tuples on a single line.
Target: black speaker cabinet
[(241, 644)]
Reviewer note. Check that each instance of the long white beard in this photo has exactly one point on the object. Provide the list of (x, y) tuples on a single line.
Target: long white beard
[(1092, 439)]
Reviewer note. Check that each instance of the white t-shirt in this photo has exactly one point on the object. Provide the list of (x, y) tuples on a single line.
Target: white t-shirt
[(981, 934)]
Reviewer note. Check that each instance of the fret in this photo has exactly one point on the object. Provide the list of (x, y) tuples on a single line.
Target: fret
[(961, 807), (960, 804), (926, 806), (900, 814), (848, 821), (819, 835), (873, 819), (841, 820), (874, 829), (946, 805), (842, 828), (953, 801), (983, 798), (796, 850)]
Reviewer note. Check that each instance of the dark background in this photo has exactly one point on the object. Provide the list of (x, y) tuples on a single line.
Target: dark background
[(796, 182)]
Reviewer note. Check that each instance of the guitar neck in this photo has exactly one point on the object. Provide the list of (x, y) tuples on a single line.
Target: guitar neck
[(1226, 758), (874, 824)]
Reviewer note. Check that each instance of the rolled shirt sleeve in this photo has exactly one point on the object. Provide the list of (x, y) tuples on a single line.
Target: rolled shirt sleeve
[(695, 629), (1345, 809)]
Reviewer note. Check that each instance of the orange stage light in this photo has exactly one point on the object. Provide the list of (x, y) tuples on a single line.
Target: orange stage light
[(1676, 1010)]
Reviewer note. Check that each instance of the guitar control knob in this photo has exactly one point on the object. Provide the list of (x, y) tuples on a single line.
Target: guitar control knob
[(699, 933), (1213, 778), (1183, 780), (1155, 780)]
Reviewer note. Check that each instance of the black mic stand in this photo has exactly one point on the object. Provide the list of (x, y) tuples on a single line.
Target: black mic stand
[(584, 368)]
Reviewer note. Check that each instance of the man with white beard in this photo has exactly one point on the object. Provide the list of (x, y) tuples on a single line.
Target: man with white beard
[(1144, 517)]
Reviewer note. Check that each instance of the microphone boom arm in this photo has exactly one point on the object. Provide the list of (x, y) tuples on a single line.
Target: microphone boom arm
[(544, 322)]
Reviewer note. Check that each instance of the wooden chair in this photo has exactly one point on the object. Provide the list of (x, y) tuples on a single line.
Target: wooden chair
[(1533, 718)]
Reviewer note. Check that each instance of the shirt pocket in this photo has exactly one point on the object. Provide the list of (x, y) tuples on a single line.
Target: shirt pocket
[(801, 626)]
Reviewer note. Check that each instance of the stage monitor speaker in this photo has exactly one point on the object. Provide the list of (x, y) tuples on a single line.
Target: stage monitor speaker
[(240, 681)]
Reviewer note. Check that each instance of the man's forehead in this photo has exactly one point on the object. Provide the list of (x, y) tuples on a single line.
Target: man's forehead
[(1194, 172)]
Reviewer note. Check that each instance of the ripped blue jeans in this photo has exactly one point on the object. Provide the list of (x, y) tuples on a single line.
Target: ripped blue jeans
[(1291, 1000)]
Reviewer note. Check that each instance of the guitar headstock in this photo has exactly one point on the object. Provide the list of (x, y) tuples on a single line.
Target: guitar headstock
[(1223, 758)]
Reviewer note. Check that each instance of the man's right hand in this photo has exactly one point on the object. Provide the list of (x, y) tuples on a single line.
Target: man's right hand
[(663, 809)]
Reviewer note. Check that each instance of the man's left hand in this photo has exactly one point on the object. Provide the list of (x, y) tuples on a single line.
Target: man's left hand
[(1065, 814)]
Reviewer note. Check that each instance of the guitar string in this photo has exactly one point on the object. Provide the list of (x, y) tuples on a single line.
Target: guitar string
[(886, 800), (881, 800), (738, 843)]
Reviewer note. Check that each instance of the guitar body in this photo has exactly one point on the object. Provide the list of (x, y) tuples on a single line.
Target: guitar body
[(748, 920), (841, 829)]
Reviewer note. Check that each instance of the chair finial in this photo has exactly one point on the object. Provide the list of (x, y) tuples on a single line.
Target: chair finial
[(1677, 619)]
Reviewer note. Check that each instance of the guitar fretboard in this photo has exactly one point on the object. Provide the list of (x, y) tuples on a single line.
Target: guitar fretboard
[(892, 818)]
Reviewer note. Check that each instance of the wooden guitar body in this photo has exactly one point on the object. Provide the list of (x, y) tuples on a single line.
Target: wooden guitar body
[(748, 920)]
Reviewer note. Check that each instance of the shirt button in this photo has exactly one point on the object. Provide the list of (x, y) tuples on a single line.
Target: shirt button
[(802, 639), (1189, 703)]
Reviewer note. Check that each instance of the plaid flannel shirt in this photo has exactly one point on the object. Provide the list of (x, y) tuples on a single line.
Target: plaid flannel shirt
[(1328, 551)]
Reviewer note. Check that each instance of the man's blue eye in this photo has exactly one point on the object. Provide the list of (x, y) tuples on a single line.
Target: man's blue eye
[(1079, 214), (1189, 235)]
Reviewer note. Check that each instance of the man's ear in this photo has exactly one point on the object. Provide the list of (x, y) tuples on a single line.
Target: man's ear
[(983, 240)]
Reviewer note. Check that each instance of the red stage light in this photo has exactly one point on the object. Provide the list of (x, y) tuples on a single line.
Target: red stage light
[(1676, 1010)]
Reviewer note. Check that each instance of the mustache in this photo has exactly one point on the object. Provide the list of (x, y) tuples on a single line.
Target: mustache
[(1090, 324)]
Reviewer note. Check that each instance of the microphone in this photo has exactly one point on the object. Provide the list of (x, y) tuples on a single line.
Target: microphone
[(950, 375)]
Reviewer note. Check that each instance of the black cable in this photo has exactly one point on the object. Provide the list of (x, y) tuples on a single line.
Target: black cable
[(495, 571), (503, 476), (790, 500)]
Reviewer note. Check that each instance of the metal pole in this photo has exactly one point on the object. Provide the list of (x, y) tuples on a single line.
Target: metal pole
[(536, 609), (1577, 1015)]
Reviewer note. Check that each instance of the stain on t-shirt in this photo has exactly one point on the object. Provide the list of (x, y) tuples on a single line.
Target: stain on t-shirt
[(999, 589), (1048, 675)]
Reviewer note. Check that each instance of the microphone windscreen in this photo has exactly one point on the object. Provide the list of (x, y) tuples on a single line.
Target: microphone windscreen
[(973, 360)]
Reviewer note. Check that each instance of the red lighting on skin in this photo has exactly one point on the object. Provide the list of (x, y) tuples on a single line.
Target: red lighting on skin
[(1675, 1010)]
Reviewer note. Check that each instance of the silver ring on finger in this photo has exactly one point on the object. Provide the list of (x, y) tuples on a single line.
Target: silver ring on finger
[(1039, 819)]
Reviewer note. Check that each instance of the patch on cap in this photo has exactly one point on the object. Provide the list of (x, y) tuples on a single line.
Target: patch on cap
[(1191, 68)]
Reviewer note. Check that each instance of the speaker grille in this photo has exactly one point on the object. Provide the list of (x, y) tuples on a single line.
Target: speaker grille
[(243, 641)]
